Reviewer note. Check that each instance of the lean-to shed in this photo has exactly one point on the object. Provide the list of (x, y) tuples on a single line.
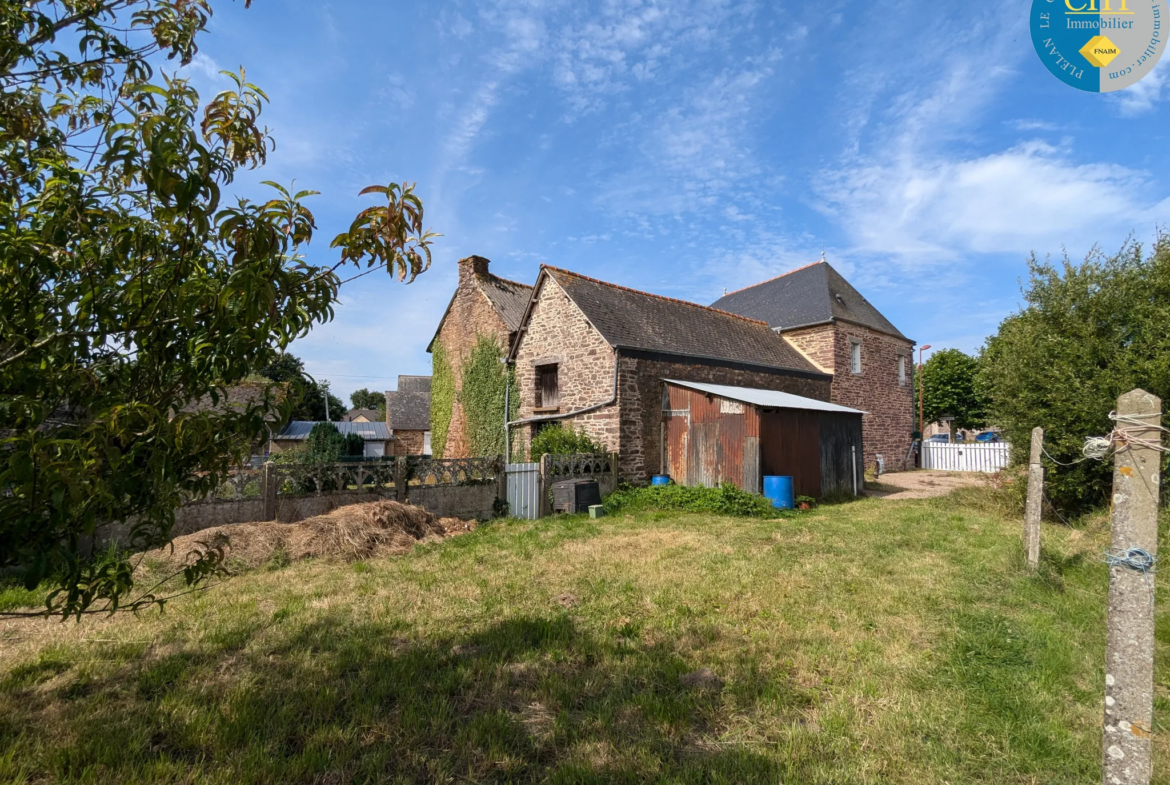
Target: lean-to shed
[(714, 433)]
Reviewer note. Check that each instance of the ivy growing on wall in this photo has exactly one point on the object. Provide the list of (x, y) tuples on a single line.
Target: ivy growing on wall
[(442, 398), (485, 380)]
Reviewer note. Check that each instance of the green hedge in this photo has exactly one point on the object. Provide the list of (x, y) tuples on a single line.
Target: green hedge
[(725, 500)]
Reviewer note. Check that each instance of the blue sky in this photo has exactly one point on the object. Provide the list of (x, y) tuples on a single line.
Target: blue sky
[(684, 147)]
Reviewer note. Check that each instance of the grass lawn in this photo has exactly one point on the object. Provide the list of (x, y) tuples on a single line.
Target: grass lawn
[(871, 642)]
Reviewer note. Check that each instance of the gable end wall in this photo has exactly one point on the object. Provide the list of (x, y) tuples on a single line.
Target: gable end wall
[(471, 315), (558, 332)]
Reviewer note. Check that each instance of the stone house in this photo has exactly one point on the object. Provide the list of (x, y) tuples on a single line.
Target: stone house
[(408, 415), (594, 355), (484, 305), (840, 332)]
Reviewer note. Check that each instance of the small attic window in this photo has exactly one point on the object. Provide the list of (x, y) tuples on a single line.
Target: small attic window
[(840, 299)]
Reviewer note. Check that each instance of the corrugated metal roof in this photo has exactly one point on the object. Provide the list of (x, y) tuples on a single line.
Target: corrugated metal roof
[(370, 431), (768, 398)]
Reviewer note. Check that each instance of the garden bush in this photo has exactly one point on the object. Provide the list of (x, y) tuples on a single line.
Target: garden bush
[(725, 500), (561, 440)]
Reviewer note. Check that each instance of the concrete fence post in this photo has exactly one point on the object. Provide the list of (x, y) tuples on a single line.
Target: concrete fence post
[(545, 485), (269, 486), (400, 480), (1033, 511), (502, 478), (1129, 654)]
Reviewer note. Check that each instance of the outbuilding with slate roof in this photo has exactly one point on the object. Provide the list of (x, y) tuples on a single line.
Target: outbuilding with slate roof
[(821, 314), (408, 415), (594, 355)]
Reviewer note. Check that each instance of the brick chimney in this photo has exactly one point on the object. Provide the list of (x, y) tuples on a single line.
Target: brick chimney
[(472, 266)]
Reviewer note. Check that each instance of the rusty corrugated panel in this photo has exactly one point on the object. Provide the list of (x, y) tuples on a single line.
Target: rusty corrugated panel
[(731, 435), (704, 454), (751, 464), (790, 444)]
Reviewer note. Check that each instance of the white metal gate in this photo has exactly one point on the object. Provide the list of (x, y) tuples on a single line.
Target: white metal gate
[(524, 490), (966, 457)]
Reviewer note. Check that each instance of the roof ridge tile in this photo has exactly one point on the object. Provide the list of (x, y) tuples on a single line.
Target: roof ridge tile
[(776, 277), (655, 296)]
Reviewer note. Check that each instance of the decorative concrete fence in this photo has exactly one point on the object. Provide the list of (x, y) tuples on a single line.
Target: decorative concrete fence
[(457, 488), (468, 488)]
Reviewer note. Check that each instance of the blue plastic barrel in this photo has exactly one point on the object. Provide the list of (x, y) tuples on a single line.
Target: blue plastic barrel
[(780, 491), (660, 479)]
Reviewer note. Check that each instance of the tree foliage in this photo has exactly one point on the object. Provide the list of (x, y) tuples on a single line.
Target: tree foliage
[(326, 444), (305, 395), (1088, 333), (950, 386), (132, 286), (485, 383), (367, 399)]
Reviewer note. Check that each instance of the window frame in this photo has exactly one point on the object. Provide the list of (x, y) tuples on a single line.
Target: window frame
[(855, 364), (903, 370), (542, 371)]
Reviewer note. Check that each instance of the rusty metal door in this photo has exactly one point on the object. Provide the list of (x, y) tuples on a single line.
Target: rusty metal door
[(675, 425)]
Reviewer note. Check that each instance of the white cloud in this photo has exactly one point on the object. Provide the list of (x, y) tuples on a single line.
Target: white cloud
[(1030, 197), (1142, 97)]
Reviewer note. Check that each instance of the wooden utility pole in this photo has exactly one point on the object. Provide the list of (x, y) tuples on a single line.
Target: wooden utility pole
[(1032, 512), (1129, 656)]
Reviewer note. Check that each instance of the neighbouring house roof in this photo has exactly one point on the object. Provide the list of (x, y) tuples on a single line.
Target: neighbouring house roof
[(508, 298), (814, 294), (408, 411), (298, 430), (371, 415), (238, 398), (414, 383), (770, 399), (630, 319)]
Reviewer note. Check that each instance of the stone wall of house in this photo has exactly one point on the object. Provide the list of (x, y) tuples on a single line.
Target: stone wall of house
[(558, 333), (817, 344), (409, 443), (640, 398), (471, 315), (889, 405)]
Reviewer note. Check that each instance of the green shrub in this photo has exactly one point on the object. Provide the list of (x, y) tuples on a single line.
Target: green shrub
[(1088, 333), (561, 440), (725, 500)]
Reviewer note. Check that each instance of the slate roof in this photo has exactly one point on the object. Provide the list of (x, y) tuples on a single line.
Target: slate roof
[(408, 411), (631, 319), (238, 398), (769, 399), (815, 294), (298, 430), (369, 414), (508, 298), (414, 383)]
